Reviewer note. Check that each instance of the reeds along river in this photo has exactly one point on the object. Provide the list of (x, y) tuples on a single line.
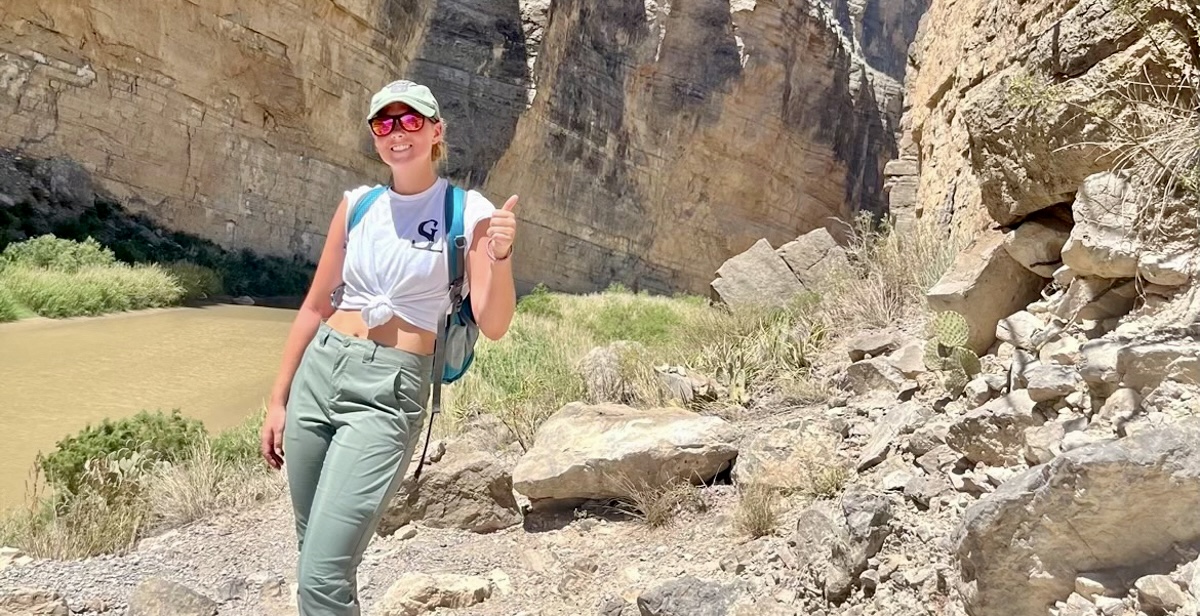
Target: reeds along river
[(214, 363)]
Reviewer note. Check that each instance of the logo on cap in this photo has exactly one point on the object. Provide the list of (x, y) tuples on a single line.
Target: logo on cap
[(400, 85)]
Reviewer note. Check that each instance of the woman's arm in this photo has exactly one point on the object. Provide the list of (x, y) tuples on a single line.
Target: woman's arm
[(493, 293), (316, 308)]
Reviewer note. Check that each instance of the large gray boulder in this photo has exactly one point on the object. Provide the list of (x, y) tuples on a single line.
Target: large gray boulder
[(1123, 503)]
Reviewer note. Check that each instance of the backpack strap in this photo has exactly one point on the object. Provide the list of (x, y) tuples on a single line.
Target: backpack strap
[(359, 210), (456, 247)]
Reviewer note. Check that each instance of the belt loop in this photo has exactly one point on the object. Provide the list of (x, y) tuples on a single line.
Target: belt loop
[(369, 357), (325, 333)]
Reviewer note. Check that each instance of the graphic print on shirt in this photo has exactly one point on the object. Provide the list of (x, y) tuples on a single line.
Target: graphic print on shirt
[(427, 229)]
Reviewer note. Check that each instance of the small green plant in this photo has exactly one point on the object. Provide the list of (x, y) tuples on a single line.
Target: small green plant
[(540, 302), (630, 317), (196, 281), (154, 436), (946, 350)]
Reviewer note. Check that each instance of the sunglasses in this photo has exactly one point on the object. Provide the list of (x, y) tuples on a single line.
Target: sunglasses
[(383, 125)]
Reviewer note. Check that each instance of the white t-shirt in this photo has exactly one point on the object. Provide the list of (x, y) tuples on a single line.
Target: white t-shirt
[(396, 258)]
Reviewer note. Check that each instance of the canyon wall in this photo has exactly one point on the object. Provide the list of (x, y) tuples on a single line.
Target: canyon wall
[(648, 141)]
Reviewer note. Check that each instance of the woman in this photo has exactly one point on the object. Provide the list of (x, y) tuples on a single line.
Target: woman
[(347, 406)]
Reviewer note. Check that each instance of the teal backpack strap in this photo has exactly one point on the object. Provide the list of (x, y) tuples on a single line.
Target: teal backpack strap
[(359, 210), (456, 246)]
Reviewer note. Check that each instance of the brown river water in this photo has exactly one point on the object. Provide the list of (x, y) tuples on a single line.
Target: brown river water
[(214, 363)]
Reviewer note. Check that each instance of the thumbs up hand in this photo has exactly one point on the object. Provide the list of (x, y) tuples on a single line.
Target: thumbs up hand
[(502, 230)]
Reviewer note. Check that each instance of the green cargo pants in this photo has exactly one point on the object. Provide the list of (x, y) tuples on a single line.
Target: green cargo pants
[(354, 416)]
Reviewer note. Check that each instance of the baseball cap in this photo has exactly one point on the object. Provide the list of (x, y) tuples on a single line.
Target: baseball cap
[(412, 94)]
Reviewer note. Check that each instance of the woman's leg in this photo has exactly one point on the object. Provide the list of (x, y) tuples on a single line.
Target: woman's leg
[(307, 429), (377, 414)]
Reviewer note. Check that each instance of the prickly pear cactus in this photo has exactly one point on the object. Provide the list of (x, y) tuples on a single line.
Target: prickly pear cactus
[(950, 329), (946, 351)]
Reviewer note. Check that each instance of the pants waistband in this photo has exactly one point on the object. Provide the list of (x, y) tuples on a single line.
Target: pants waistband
[(370, 349)]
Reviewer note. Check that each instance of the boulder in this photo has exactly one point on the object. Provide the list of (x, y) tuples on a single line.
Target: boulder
[(813, 255), (1048, 382), (1143, 364), (1158, 594), (985, 285), (690, 596), (611, 373), (835, 539), (587, 452), (756, 277), (159, 597), (785, 458), (1095, 299), (1037, 244), (870, 375), (1021, 548), (467, 490), (32, 602), (1103, 242), (1169, 270), (995, 432), (909, 359), (873, 343), (1098, 364), (420, 593), (1019, 329)]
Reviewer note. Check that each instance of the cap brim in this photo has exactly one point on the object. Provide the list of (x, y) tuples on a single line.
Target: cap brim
[(416, 104)]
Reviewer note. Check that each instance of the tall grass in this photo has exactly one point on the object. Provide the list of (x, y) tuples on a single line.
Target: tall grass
[(59, 278)]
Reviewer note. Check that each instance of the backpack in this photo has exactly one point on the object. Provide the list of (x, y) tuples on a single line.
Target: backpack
[(454, 350)]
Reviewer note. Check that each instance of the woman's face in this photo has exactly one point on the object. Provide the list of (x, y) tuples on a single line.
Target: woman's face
[(402, 146)]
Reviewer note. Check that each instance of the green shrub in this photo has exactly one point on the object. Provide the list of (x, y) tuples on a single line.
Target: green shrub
[(156, 436), (62, 255), (633, 317), (539, 302), (239, 444)]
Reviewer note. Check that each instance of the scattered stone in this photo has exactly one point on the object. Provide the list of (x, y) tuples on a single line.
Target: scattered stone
[(1076, 605), (590, 452), (995, 432), (1098, 365), (1043, 443), (1089, 587), (1143, 365), (834, 541), (418, 593), (1049, 523), (32, 602), (938, 460), (874, 375), (1051, 382), (159, 597), (1019, 329), (1037, 243), (898, 420), (977, 391), (1167, 270), (872, 344), (610, 373), (985, 285), (909, 359), (468, 490), (1063, 351), (929, 436), (688, 387), (1158, 594), (688, 596)]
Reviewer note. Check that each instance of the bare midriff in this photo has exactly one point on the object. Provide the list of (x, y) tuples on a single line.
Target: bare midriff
[(396, 333)]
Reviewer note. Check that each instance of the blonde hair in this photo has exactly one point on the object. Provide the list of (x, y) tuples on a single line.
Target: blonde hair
[(440, 150)]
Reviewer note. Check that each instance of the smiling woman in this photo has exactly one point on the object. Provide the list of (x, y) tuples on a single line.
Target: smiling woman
[(387, 266)]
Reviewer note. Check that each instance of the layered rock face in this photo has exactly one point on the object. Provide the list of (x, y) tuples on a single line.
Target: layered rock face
[(988, 138), (662, 142), (245, 126), (648, 141)]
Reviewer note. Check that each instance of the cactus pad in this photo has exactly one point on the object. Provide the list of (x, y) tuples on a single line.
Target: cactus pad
[(950, 329)]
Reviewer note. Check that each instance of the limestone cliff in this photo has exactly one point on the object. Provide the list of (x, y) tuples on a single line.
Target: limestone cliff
[(979, 147), (648, 141)]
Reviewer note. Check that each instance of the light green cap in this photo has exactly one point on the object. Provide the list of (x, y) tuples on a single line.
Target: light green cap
[(412, 94)]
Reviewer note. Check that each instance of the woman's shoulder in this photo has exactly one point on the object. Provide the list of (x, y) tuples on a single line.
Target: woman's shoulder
[(354, 194)]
